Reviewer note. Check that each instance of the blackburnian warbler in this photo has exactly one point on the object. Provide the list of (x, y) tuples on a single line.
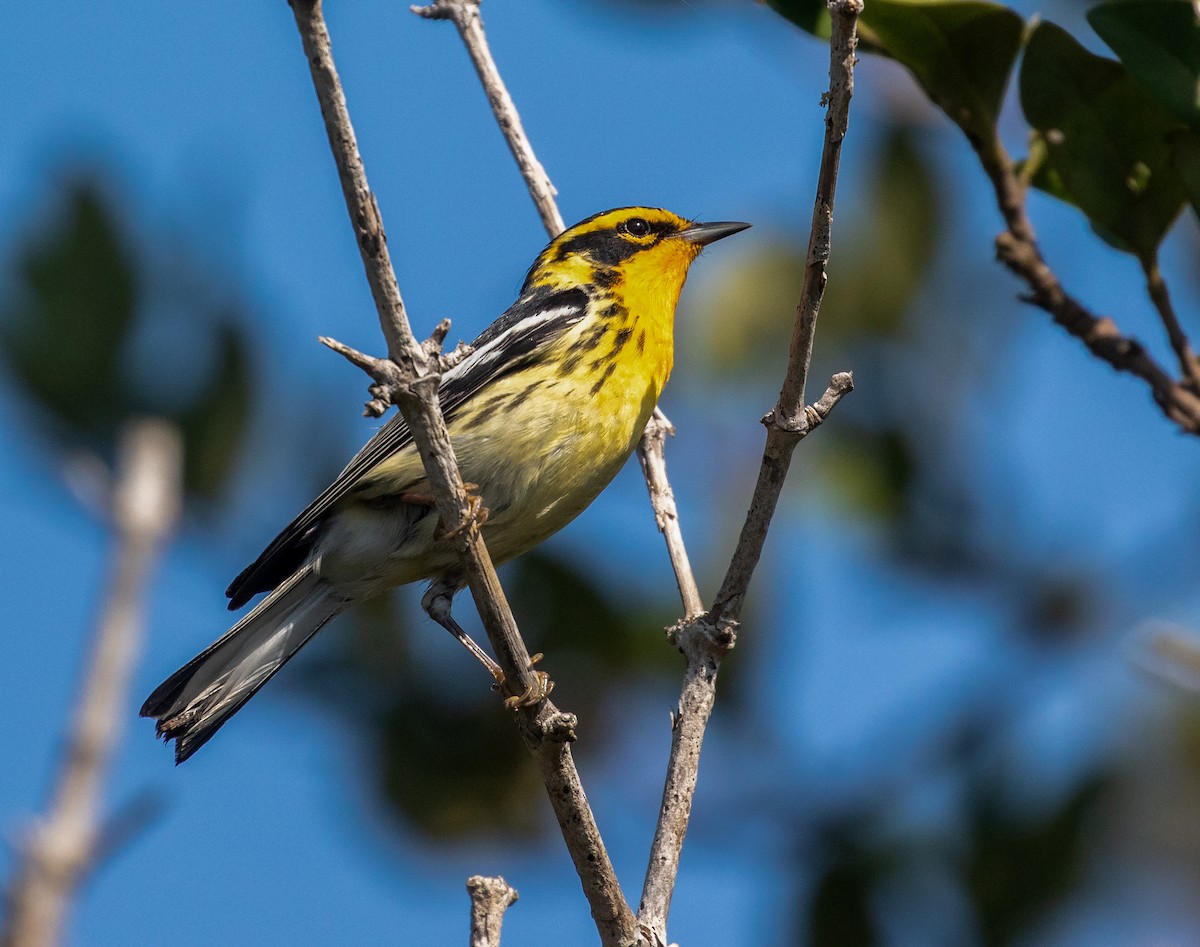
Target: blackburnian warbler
[(542, 415)]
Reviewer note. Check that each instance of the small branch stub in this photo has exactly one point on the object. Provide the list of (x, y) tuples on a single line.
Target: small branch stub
[(490, 898)]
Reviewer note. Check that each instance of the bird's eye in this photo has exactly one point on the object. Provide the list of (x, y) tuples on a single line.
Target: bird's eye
[(636, 227)]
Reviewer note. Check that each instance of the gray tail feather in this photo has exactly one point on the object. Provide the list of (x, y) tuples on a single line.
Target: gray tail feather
[(193, 703)]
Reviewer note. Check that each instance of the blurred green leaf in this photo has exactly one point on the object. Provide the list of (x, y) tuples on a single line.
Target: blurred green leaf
[(441, 754), (871, 472), (812, 16), (743, 324), (840, 913), (1106, 140), (63, 332), (960, 51), (877, 267), (214, 425), (1018, 869), (459, 770), (1159, 42), (568, 615), (68, 337), (1185, 153), (880, 265)]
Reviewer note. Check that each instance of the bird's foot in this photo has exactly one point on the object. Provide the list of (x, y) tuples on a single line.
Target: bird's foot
[(537, 691), (475, 517)]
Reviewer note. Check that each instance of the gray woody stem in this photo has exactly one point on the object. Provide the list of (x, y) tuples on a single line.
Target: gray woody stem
[(1156, 286), (490, 898), (705, 641), (465, 16), (1017, 248), (62, 847), (408, 378)]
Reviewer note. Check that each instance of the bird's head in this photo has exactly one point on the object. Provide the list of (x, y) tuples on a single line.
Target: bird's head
[(636, 247)]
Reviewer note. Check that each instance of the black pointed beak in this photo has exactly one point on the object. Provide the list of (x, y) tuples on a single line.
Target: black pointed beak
[(704, 234)]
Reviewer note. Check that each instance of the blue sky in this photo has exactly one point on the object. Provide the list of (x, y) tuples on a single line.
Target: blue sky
[(206, 119)]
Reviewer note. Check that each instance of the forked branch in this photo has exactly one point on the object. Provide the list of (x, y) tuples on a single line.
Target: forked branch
[(705, 641), (1017, 249)]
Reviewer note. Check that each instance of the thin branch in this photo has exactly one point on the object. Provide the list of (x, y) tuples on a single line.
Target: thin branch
[(1156, 286), (465, 16), (705, 641), (490, 898), (545, 729), (1017, 248), (65, 844), (653, 458)]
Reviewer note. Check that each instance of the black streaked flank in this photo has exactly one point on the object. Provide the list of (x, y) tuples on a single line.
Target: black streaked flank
[(619, 342), (603, 378), (520, 397), (615, 311), (569, 364), (590, 339), (641, 342)]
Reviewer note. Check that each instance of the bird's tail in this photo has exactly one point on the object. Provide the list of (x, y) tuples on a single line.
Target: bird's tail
[(193, 703)]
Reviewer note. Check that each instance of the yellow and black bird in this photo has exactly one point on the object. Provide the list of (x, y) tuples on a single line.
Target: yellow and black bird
[(542, 415)]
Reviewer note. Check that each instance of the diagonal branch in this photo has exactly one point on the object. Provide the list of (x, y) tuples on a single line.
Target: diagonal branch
[(465, 16), (545, 730), (1017, 248), (61, 848), (706, 641), (1156, 286), (652, 456)]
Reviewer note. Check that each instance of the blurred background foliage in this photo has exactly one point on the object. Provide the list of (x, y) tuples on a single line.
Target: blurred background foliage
[(959, 840)]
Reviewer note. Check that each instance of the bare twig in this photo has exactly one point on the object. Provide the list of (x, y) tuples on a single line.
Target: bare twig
[(705, 641), (1017, 248), (465, 15), (60, 849), (545, 730), (490, 898), (652, 456), (1156, 286)]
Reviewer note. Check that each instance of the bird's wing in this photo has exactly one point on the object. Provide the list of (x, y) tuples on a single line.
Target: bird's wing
[(522, 334)]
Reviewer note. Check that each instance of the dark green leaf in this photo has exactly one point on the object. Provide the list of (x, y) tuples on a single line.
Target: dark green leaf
[(66, 327), (565, 612), (1106, 140), (1159, 42), (960, 51), (812, 16), (886, 257), (1185, 153), (215, 424), (840, 913), (1018, 869)]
